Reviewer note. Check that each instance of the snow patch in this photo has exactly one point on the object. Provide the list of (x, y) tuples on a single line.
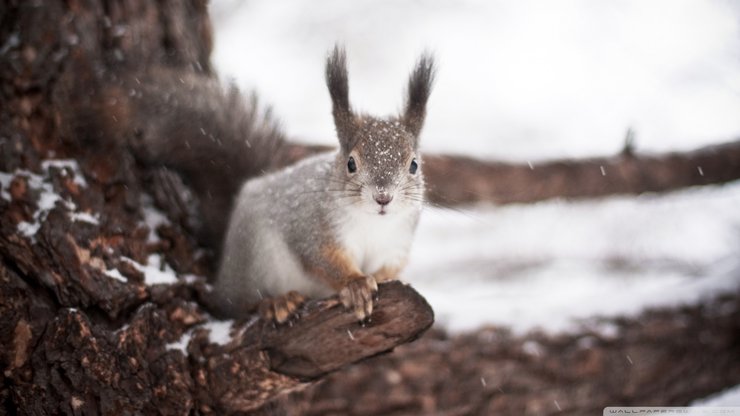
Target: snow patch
[(182, 343), (219, 331), (48, 197), (729, 397), (85, 217), (61, 164), (114, 273), (156, 271), (153, 217), (46, 202), (29, 229)]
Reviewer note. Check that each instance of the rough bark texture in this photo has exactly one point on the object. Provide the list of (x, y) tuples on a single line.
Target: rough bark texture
[(667, 357)]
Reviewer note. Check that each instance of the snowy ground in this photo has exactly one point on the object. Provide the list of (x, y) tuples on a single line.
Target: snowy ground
[(554, 263), (729, 397), (528, 80)]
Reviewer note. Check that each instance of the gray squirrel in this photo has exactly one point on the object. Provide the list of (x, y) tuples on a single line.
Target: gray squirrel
[(338, 222)]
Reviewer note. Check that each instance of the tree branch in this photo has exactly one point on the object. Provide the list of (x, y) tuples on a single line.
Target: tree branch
[(459, 179), (326, 337)]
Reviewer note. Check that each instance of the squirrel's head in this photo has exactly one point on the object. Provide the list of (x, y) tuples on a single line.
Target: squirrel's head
[(378, 163)]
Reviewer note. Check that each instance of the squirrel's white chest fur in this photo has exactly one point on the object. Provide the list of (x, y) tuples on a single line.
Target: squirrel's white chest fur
[(375, 241)]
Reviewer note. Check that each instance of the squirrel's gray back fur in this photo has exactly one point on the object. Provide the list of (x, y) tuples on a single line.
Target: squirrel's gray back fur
[(274, 217)]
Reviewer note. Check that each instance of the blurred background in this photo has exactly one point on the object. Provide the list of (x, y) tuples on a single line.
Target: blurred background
[(560, 306), (527, 81)]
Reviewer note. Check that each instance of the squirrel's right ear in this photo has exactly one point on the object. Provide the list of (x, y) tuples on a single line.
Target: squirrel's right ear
[(419, 88), (336, 80)]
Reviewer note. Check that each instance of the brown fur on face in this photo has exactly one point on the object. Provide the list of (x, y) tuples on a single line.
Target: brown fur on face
[(381, 149)]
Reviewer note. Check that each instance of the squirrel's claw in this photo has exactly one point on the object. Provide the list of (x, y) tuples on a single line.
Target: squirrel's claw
[(357, 295), (280, 308)]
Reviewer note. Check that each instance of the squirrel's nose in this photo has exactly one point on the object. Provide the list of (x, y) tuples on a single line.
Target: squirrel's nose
[(383, 198)]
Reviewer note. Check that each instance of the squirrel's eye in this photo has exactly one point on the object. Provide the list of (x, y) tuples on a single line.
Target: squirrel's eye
[(414, 166), (351, 165)]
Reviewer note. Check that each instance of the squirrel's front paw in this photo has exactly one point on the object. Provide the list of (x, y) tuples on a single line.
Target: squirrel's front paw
[(280, 308), (357, 295)]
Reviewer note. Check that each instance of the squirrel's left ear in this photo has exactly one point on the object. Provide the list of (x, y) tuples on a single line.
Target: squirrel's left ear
[(419, 88), (336, 80)]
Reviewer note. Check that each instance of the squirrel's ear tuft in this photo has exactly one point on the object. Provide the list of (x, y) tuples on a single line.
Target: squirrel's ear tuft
[(336, 80), (419, 88)]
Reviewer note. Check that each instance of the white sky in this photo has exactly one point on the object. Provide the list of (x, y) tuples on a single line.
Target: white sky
[(517, 79)]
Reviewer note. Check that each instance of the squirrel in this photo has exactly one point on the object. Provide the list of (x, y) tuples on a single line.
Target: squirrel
[(340, 221)]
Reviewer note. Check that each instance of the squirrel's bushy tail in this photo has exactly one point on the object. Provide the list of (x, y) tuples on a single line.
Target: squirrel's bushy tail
[(213, 136)]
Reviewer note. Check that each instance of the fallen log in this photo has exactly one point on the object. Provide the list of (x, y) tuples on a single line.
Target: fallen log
[(459, 179)]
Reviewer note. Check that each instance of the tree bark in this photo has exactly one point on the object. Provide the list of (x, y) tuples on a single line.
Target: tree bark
[(167, 357)]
